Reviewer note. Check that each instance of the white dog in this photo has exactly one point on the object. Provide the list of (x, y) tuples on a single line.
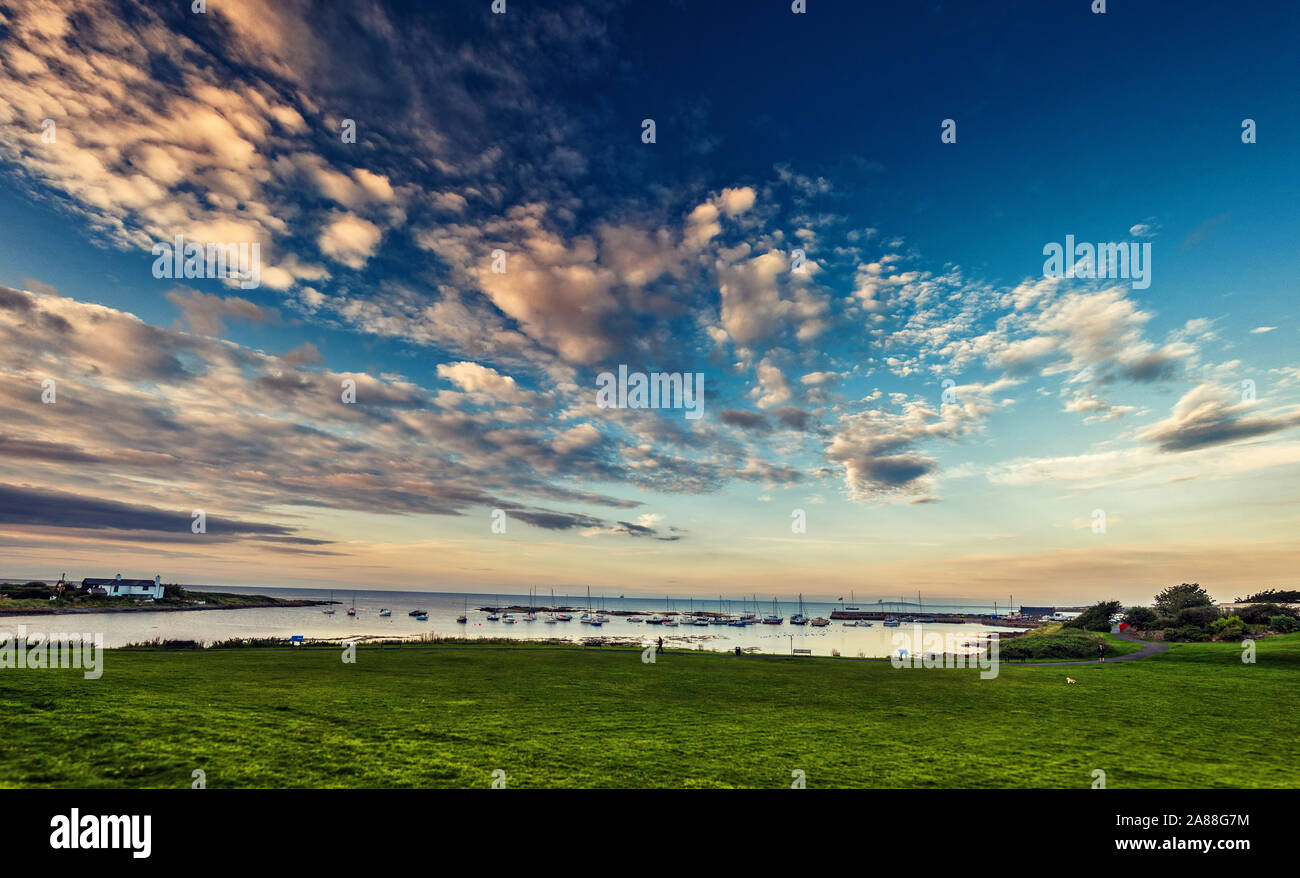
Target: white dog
[(1071, 680)]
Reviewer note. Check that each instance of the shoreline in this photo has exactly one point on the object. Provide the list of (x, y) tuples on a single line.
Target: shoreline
[(69, 611)]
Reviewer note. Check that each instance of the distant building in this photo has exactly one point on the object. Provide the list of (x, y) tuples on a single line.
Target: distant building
[(1037, 611), (118, 587)]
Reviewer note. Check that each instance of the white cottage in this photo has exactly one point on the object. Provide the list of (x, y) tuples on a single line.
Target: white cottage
[(126, 588)]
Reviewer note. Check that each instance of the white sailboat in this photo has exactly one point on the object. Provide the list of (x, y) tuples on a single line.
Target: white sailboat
[(799, 618), (329, 611)]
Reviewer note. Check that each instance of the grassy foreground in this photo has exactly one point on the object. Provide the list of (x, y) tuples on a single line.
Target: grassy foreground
[(449, 716)]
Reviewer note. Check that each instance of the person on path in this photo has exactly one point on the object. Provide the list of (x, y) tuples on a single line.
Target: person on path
[(661, 645), (1101, 650)]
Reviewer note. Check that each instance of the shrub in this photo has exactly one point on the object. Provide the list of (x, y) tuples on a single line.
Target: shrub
[(1260, 614), (1096, 617), (1229, 628), (1198, 617), (30, 590), (1142, 618), (1285, 624), (1065, 643), (1187, 634)]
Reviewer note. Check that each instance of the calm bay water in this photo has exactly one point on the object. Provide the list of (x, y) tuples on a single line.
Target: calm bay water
[(120, 629)]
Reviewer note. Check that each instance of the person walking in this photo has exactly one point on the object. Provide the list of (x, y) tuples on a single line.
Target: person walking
[(1101, 650), (661, 645)]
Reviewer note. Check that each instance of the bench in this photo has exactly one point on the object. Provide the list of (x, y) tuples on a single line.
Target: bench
[(803, 652)]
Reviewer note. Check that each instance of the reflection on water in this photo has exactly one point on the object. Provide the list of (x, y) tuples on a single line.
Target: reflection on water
[(213, 625)]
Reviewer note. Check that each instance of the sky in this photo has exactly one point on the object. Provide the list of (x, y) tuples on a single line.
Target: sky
[(840, 223)]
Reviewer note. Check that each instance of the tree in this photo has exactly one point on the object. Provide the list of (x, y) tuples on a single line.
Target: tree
[(1260, 614), (1271, 596), (1180, 597), (1197, 617), (1096, 617), (1142, 618)]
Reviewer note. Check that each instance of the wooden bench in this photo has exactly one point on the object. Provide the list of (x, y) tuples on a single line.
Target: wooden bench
[(803, 652)]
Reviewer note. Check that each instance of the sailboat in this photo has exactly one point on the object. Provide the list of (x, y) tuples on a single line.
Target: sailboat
[(352, 610), (384, 612), (775, 618), (564, 617), (464, 617), (329, 611), (799, 618), (853, 599), (492, 616)]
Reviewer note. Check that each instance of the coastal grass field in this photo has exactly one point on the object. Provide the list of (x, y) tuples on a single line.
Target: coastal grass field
[(449, 716)]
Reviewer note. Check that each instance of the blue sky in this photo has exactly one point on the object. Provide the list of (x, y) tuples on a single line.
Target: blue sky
[(824, 388)]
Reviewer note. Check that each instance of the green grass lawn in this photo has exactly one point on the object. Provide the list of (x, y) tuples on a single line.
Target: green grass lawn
[(448, 716)]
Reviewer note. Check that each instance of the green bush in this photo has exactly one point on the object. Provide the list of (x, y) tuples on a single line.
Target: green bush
[(1188, 634), (1096, 617), (1260, 614), (1285, 624), (1067, 643), (1229, 628), (30, 590), (1142, 618), (1197, 617)]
